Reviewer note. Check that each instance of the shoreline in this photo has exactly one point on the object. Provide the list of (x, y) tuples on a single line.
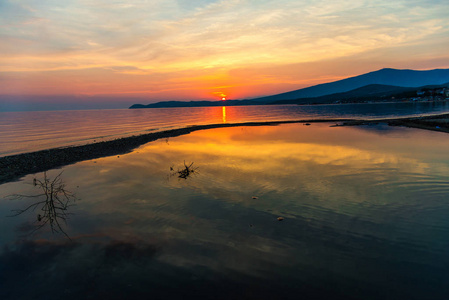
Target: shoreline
[(14, 167), (433, 122)]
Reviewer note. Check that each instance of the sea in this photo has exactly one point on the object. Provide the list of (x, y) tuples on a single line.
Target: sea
[(22, 132), (248, 212)]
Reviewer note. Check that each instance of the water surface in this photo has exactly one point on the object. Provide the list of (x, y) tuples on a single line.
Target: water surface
[(365, 217), (22, 132)]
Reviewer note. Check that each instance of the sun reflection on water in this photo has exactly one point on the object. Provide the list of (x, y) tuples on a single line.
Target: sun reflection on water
[(224, 114)]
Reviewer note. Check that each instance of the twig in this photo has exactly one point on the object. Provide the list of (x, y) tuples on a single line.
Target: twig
[(185, 172)]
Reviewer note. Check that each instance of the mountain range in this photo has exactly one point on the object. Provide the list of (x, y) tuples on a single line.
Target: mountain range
[(382, 83), (367, 93), (387, 76)]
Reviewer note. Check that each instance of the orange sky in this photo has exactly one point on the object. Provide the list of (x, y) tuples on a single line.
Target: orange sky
[(205, 49)]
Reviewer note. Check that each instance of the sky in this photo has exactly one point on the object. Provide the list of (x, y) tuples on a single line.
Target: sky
[(110, 54)]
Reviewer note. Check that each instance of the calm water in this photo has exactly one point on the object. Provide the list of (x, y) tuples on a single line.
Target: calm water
[(365, 217), (31, 131)]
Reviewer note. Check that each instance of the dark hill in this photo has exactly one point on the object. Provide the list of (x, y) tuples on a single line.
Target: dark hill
[(392, 77), (372, 92)]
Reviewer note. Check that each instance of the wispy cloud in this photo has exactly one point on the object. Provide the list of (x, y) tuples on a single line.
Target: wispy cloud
[(209, 39)]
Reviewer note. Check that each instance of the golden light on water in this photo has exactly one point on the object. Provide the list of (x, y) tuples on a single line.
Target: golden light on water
[(224, 114)]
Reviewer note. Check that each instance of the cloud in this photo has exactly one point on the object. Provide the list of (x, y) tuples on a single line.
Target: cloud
[(170, 36)]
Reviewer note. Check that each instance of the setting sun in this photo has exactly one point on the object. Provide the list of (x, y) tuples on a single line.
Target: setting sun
[(223, 99)]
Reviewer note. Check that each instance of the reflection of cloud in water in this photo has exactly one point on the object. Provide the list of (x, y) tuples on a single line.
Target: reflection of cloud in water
[(119, 270), (122, 269), (54, 270), (384, 129), (214, 267), (289, 166), (344, 193)]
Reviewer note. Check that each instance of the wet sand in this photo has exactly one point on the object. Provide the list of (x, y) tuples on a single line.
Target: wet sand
[(16, 166)]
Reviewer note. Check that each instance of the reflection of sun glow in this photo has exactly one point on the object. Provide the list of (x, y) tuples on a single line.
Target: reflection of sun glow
[(224, 114)]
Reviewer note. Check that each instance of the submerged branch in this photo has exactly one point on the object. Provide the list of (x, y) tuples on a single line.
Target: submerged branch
[(185, 172)]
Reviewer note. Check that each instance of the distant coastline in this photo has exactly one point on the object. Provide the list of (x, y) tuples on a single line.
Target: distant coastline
[(169, 104), (383, 85), (180, 104), (373, 93), (16, 166)]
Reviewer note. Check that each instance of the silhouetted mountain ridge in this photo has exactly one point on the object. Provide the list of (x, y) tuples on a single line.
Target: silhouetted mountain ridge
[(387, 76), (372, 92)]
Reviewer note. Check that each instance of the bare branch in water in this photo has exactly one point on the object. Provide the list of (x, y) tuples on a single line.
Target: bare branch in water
[(185, 172), (53, 203)]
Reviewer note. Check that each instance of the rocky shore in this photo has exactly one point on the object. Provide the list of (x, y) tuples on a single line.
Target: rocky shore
[(16, 166)]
